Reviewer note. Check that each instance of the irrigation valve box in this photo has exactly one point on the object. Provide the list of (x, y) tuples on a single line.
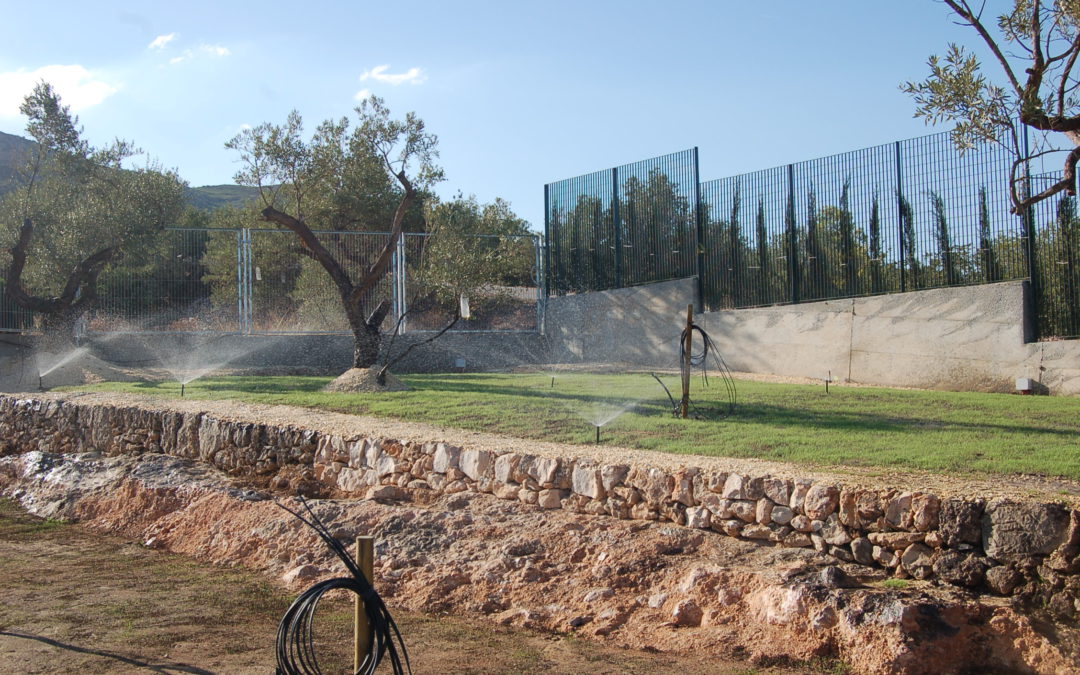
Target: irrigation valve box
[(1025, 385)]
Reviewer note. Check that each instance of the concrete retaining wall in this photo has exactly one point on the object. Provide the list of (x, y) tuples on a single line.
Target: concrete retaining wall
[(971, 338), (1005, 546)]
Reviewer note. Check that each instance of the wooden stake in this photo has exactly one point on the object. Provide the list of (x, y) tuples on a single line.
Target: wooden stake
[(688, 344), (365, 560)]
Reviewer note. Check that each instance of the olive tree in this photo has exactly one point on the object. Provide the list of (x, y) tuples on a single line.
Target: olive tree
[(325, 181), (472, 253), (1034, 47), (73, 211)]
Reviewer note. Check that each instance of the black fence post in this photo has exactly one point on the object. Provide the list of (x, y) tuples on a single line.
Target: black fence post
[(547, 242), (902, 262), (1038, 302), (792, 243), (699, 237), (617, 224)]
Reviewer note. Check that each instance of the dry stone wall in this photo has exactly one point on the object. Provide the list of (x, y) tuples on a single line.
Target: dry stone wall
[(1008, 547)]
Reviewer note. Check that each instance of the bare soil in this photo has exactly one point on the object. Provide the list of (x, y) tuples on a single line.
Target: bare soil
[(76, 601)]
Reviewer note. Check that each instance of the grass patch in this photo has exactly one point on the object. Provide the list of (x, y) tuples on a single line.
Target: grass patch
[(936, 431), (895, 584)]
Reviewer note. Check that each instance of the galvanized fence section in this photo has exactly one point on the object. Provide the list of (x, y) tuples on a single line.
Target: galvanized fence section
[(262, 281), (904, 216)]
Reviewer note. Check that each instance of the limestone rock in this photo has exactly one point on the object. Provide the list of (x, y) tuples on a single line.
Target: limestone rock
[(898, 510), (778, 490), (476, 463), (821, 501), (698, 516), (446, 457), (744, 510), (896, 540), (687, 613), (862, 550), (506, 466), (1013, 529), (1003, 579), (613, 475), (783, 515), (917, 561), (763, 511), (834, 533), (961, 569), (960, 522), (925, 510)]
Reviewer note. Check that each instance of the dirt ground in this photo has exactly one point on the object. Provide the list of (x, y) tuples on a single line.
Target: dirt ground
[(78, 602)]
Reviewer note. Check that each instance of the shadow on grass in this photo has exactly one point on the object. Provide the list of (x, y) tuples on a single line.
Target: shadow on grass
[(653, 404), (165, 668)]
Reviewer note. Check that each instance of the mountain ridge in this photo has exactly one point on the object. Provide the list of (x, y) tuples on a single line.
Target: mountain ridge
[(205, 198)]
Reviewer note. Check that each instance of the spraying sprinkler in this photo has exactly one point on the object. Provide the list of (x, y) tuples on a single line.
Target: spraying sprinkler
[(181, 390), (552, 381), (40, 386), (598, 434)]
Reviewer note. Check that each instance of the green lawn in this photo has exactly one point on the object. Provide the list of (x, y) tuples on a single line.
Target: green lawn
[(936, 431)]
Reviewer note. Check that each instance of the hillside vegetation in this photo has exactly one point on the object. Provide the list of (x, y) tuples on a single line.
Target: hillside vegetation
[(13, 150)]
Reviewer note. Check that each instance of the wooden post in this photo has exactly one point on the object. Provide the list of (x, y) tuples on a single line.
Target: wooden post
[(365, 560), (688, 343)]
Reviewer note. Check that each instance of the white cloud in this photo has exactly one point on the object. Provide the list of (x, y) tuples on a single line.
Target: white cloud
[(78, 87), (213, 51), (161, 40), (362, 94), (379, 74)]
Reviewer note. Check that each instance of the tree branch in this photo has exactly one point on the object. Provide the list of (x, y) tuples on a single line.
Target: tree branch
[(1066, 184), (381, 377), (378, 268), (311, 242), (962, 8)]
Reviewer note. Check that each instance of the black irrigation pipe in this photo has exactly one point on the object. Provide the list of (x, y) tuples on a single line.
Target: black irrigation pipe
[(701, 358), (295, 643)]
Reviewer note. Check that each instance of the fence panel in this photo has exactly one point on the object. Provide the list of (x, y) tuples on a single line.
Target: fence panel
[(170, 285), (507, 301), (1056, 279), (290, 292), (624, 226), (903, 216)]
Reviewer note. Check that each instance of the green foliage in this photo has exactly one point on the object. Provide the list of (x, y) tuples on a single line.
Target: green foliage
[(79, 198), (1036, 47), (474, 250)]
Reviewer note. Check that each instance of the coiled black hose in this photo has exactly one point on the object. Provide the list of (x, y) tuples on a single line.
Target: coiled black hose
[(295, 640), (701, 358)]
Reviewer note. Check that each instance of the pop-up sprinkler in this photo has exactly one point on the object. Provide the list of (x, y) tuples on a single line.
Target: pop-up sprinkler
[(598, 434), (181, 390)]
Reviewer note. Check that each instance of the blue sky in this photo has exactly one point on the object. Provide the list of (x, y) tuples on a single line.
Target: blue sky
[(520, 94)]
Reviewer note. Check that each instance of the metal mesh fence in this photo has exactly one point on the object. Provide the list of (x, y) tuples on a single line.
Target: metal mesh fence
[(263, 281), (632, 224), (908, 215), (510, 301)]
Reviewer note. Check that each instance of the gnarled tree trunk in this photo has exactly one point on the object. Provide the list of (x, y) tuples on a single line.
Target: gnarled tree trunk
[(59, 314)]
